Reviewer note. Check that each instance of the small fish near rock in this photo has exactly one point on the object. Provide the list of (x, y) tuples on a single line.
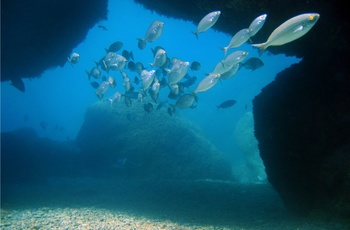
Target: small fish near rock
[(73, 58), (227, 104), (185, 101), (102, 27), (252, 63)]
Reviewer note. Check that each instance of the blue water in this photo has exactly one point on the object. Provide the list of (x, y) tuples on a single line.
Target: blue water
[(61, 95)]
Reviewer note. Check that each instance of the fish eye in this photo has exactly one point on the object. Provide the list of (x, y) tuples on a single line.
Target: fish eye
[(311, 17)]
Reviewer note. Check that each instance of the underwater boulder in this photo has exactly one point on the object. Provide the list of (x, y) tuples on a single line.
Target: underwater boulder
[(28, 158), (252, 170), (126, 141)]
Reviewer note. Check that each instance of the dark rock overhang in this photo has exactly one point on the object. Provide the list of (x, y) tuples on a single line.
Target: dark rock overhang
[(38, 35), (331, 31)]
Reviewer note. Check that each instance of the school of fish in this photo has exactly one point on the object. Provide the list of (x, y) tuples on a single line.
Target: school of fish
[(172, 74)]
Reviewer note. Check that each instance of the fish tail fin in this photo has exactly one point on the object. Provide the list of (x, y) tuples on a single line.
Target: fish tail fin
[(223, 64), (262, 47), (132, 55), (225, 50), (195, 33), (107, 50), (192, 91)]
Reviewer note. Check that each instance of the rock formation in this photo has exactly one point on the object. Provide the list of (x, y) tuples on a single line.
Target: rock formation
[(127, 141), (302, 119), (38, 35)]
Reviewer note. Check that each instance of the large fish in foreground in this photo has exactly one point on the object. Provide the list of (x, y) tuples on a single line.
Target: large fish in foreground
[(289, 31), (207, 21)]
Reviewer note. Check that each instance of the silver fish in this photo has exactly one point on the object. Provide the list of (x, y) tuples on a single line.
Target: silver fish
[(115, 98), (109, 59), (126, 82), (141, 95), (94, 72), (174, 91), (102, 89), (220, 68), (207, 21), (231, 72), (208, 82), (159, 58), (178, 71), (289, 31), (234, 58), (154, 90), (257, 24), (154, 31), (237, 40), (111, 81), (185, 101), (147, 78), (118, 63), (73, 58)]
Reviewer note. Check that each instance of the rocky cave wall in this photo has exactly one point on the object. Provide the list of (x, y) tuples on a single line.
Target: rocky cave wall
[(302, 119), (38, 35)]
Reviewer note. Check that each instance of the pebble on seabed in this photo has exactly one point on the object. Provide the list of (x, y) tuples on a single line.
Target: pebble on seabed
[(84, 218)]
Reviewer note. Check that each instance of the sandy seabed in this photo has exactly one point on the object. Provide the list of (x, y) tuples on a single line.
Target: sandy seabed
[(146, 204)]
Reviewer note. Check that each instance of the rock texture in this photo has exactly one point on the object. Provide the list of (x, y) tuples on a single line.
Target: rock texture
[(27, 158), (302, 122), (125, 141), (302, 119), (38, 35)]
